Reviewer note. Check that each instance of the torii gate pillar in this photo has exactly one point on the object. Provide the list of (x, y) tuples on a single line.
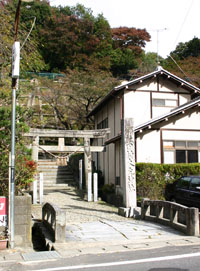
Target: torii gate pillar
[(35, 149)]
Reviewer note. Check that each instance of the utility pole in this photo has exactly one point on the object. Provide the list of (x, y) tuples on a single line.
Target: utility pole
[(15, 83)]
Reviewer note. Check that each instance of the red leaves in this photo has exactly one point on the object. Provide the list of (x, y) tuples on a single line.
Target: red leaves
[(129, 37), (30, 164)]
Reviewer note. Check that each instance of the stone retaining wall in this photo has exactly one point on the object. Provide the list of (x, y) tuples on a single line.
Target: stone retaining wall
[(23, 221)]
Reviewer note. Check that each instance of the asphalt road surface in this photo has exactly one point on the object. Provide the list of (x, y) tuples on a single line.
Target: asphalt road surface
[(178, 258)]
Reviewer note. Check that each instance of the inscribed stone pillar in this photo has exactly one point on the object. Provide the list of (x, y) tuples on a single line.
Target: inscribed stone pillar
[(128, 158), (87, 159)]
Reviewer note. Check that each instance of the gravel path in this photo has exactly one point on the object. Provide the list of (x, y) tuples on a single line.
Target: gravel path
[(78, 210)]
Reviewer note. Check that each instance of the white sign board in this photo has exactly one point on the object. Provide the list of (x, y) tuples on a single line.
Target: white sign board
[(15, 59)]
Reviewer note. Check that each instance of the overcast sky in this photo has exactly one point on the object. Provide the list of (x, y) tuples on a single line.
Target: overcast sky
[(172, 21)]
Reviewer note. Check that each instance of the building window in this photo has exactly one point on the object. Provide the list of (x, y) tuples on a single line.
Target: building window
[(180, 151), (192, 156), (164, 102), (103, 124), (180, 156)]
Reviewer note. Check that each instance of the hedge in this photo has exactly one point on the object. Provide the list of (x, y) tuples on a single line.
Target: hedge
[(152, 178)]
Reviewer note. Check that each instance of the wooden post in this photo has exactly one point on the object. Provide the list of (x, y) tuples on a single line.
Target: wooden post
[(87, 159), (80, 174), (128, 158), (95, 186), (61, 143)]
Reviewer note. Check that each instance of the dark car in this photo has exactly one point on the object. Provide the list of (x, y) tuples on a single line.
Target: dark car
[(185, 191)]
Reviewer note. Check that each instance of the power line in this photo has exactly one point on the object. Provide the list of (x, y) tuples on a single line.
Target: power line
[(185, 18)]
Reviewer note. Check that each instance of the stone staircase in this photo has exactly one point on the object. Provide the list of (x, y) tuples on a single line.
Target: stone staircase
[(54, 175)]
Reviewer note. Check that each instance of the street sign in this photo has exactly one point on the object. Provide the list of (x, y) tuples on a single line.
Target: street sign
[(3, 211)]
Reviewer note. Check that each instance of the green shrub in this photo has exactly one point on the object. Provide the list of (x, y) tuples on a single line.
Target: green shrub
[(152, 178), (108, 189)]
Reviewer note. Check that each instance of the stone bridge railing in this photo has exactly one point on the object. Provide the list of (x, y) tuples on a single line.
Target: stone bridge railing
[(171, 214), (54, 219)]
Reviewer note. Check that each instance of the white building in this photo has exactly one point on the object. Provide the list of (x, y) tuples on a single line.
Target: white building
[(166, 113)]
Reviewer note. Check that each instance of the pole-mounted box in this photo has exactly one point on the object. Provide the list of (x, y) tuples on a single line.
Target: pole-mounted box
[(15, 59)]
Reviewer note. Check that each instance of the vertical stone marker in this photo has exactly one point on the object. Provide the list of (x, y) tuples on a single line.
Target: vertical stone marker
[(87, 159), (128, 158)]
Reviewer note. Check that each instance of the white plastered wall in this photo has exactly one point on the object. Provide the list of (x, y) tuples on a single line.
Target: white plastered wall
[(168, 86), (106, 160), (184, 98), (189, 120), (148, 147), (137, 106), (182, 127)]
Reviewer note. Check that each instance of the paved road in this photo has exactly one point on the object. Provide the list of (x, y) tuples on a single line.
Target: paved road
[(163, 259)]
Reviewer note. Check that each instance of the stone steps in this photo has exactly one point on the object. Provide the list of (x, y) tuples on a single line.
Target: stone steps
[(54, 175)]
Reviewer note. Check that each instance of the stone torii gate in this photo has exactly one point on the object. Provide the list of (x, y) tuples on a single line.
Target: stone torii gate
[(87, 149)]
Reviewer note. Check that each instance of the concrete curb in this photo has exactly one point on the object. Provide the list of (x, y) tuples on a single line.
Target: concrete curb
[(72, 249)]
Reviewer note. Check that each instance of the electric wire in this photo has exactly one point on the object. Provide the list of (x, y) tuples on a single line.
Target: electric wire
[(33, 24), (180, 30), (185, 18)]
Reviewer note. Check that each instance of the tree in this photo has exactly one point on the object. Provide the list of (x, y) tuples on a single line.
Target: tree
[(187, 49), (74, 38), (188, 69), (132, 38), (184, 61), (122, 61), (24, 168), (30, 57), (127, 48), (70, 100), (148, 63)]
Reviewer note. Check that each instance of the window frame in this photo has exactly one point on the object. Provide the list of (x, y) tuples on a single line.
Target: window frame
[(173, 146), (165, 102)]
